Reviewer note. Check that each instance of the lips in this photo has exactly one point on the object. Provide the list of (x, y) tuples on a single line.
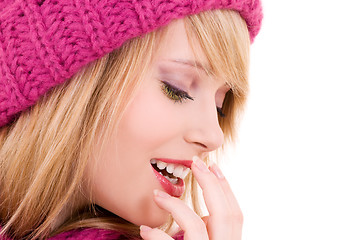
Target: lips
[(170, 174)]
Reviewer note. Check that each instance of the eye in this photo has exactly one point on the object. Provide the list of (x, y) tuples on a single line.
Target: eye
[(221, 114), (223, 96), (174, 93)]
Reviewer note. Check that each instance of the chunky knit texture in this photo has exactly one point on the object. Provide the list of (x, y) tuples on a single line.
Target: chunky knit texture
[(45, 42)]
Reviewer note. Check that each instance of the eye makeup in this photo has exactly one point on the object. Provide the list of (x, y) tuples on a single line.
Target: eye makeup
[(173, 93), (178, 95), (183, 77)]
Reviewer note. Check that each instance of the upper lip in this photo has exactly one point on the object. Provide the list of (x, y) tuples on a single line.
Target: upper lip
[(185, 163)]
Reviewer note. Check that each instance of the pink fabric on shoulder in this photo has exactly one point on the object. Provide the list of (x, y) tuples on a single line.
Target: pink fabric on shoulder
[(87, 234), (179, 236), (92, 233), (82, 233)]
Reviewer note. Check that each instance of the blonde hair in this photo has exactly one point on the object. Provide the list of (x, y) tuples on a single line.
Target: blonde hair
[(44, 153)]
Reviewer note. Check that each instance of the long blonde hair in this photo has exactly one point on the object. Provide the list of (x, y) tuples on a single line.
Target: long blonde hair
[(44, 153)]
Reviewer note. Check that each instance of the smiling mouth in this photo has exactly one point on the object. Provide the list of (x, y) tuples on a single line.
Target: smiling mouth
[(171, 171), (170, 174)]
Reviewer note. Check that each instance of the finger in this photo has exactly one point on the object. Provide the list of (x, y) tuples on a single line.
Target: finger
[(185, 217), (231, 199), (220, 224), (149, 233), (236, 213), (214, 196), (205, 219)]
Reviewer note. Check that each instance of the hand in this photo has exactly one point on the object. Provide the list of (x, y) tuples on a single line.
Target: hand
[(225, 218)]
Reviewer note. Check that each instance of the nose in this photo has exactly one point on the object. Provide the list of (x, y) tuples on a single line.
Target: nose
[(204, 130)]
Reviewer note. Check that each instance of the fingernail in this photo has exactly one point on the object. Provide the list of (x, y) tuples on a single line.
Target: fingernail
[(217, 171), (144, 228), (161, 194), (200, 164)]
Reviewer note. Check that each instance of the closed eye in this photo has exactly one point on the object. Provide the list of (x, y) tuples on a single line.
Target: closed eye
[(173, 93), (221, 114)]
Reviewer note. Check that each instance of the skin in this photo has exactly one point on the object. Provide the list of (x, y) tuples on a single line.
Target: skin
[(155, 126), (225, 220)]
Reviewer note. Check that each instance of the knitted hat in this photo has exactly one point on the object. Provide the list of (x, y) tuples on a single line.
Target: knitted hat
[(45, 42)]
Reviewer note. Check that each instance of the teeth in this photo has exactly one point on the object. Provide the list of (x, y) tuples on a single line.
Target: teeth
[(178, 171), (172, 180), (170, 168), (161, 165)]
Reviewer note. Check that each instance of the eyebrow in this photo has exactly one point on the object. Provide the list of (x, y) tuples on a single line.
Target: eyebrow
[(196, 64), (191, 63)]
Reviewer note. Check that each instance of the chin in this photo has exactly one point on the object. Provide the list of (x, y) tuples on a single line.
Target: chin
[(160, 219), (153, 219)]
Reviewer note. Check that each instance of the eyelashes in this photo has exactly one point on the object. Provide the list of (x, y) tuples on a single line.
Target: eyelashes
[(220, 112), (178, 95), (174, 93)]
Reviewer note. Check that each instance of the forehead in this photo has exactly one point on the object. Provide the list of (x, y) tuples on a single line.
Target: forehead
[(175, 45)]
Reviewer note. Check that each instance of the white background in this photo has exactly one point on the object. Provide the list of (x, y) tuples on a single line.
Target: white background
[(296, 168)]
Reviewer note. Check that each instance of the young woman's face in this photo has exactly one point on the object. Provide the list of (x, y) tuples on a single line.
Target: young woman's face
[(173, 116)]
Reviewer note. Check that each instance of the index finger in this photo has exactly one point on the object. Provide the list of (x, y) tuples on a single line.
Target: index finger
[(214, 196), (232, 201)]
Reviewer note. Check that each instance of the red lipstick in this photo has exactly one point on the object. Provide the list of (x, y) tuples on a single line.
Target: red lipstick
[(185, 163), (175, 190)]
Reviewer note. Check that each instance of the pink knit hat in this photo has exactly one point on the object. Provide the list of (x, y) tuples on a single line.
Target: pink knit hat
[(45, 42)]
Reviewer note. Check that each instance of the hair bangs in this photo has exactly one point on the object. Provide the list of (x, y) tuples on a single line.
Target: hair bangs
[(224, 39)]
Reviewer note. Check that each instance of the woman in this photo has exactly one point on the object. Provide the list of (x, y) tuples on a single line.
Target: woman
[(105, 108)]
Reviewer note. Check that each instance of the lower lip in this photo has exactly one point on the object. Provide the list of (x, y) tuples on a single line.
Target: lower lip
[(172, 189)]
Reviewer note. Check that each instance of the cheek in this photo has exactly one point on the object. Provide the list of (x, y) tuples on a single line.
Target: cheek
[(151, 119), (125, 180)]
